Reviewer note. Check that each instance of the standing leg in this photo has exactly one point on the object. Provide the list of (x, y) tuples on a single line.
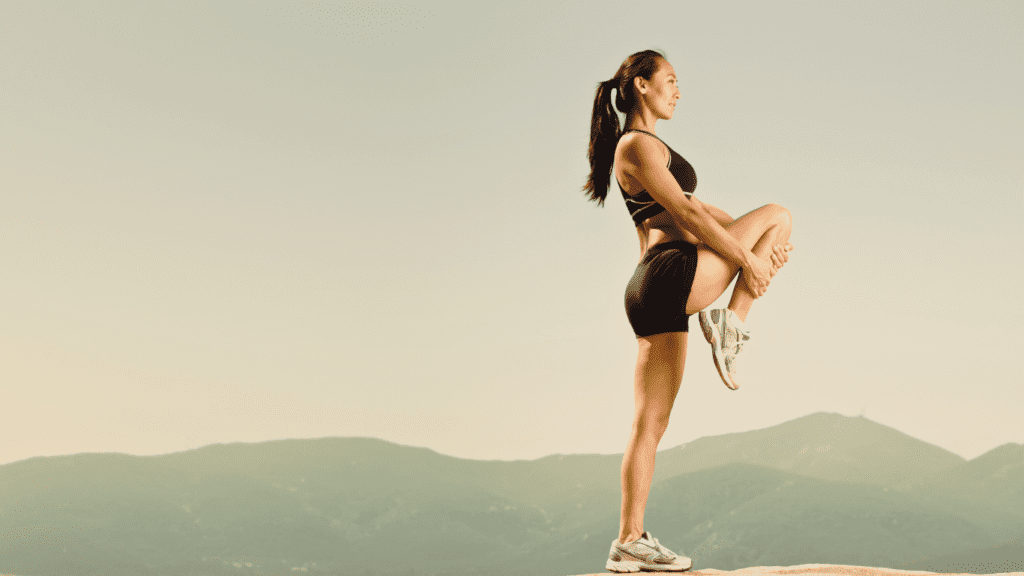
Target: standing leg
[(659, 372)]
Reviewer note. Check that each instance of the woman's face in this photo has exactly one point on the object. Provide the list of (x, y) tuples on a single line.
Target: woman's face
[(662, 91)]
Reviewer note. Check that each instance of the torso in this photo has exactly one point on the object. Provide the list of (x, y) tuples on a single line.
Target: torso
[(661, 227)]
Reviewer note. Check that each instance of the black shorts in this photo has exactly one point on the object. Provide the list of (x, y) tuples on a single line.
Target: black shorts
[(656, 294)]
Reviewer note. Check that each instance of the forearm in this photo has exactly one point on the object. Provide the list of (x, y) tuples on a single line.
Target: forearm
[(717, 213), (705, 223)]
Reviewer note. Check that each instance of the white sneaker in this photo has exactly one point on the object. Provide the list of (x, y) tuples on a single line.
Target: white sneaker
[(726, 341), (645, 554)]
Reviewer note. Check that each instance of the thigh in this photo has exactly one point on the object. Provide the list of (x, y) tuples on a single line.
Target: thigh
[(749, 228), (713, 276), (659, 372)]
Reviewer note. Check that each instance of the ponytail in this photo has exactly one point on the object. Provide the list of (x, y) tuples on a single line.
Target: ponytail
[(604, 122)]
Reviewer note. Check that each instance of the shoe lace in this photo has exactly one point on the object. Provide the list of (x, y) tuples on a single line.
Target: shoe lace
[(662, 549), (738, 339)]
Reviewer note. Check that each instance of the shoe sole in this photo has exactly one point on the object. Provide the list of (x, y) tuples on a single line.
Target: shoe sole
[(709, 335), (638, 566)]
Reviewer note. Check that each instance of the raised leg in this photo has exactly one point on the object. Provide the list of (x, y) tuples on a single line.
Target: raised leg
[(758, 231), (778, 232), (659, 372)]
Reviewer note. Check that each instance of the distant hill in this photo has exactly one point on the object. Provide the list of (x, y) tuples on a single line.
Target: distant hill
[(741, 515), (820, 489)]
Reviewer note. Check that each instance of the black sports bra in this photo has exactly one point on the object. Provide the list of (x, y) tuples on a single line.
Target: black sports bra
[(643, 206)]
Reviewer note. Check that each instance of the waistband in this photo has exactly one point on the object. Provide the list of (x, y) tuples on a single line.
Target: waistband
[(674, 244)]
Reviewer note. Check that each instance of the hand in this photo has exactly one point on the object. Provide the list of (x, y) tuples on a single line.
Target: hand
[(780, 255), (758, 274)]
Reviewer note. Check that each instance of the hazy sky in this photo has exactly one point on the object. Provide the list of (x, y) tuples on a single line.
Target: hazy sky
[(238, 222)]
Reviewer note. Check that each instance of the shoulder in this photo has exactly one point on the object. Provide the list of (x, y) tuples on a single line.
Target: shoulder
[(641, 149)]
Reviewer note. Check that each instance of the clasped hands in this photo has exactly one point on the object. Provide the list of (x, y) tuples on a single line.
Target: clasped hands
[(761, 270)]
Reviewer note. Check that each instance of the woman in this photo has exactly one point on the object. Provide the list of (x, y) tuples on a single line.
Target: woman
[(689, 253)]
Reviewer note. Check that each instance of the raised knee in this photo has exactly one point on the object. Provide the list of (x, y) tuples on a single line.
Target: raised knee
[(782, 216)]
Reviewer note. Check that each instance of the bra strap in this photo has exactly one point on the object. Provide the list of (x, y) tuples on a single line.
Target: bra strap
[(645, 132)]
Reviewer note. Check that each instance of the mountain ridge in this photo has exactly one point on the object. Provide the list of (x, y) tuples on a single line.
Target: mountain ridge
[(310, 503)]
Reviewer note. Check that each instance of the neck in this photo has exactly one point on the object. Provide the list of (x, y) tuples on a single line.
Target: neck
[(641, 121)]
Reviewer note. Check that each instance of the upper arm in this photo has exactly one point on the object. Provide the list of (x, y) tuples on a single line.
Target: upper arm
[(644, 160)]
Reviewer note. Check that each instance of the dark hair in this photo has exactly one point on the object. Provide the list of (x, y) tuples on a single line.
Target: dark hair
[(604, 123)]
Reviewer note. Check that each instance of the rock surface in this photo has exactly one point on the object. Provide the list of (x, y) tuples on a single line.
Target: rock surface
[(810, 570)]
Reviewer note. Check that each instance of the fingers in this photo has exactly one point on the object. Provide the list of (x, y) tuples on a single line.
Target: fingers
[(765, 280), (780, 254), (777, 259), (756, 287), (759, 272)]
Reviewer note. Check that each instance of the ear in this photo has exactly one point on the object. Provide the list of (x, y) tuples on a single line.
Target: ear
[(640, 84)]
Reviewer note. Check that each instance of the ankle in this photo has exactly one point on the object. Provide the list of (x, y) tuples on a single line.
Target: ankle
[(628, 537), (741, 318)]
